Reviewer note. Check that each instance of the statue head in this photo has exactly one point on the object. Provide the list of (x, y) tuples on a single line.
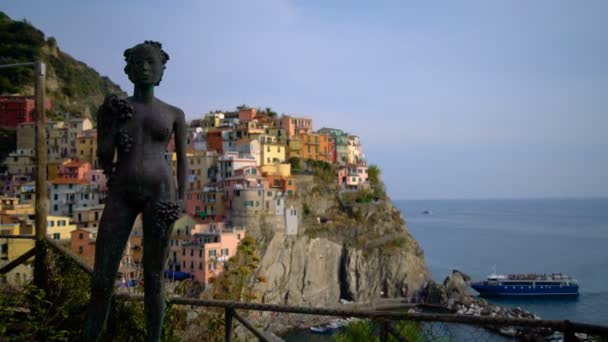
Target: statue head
[(146, 63)]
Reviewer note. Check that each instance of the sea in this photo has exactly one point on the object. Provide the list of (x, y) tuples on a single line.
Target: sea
[(516, 236), (520, 236)]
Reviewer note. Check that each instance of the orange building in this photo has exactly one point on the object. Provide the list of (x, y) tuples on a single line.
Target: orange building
[(82, 242), (317, 146)]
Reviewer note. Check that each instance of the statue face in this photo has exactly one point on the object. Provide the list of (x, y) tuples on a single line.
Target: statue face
[(145, 66)]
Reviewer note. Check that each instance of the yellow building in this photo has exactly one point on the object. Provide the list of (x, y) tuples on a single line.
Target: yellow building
[(86, 146), (279, 170), (59, 227), (271, 151), (10, 249), (212, 120)]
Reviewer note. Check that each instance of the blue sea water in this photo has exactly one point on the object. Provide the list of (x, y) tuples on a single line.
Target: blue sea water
[(520, 236)]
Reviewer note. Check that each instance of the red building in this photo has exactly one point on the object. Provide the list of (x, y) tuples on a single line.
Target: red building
[(215, 141), (18, 109)]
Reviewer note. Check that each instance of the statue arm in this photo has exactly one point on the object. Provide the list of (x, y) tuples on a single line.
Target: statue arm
[(180, 150), (106, 136)]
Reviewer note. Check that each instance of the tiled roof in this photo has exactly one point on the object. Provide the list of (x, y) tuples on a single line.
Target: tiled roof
[(68, 181)]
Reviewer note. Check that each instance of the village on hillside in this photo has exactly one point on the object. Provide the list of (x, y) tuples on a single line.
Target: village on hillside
[(240, 163)]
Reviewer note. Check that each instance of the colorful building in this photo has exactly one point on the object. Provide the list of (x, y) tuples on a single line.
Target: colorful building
[(341, 144), (86, 146), (88, 217), (10, 249), (317, 146), (232, 161), (271, 151), (20, 162), (353, 176), (246, 113), (294, 125), (18, 109), (59, 227), (204, 254), (65, 196), (251, 147), (355, 152)]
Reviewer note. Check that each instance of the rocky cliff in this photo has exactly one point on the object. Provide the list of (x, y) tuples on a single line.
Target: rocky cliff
[(362, 250)]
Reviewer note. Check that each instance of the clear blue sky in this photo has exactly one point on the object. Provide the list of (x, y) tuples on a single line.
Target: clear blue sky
[(452, 99)]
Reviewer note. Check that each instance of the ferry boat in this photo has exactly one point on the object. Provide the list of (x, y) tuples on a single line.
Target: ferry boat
[(555, 284)]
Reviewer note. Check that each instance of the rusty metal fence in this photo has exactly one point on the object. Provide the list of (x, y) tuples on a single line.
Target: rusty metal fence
[(390, 324)]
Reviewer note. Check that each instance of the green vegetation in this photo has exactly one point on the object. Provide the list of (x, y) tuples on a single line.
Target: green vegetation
[(306, 209), (232, 284), (71, 85), (295, 164), (29, 314), (365, 330)]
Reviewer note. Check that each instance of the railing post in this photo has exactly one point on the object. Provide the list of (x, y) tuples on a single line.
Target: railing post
[(40, 262), (384, 330), (228, 314), (569, 332)]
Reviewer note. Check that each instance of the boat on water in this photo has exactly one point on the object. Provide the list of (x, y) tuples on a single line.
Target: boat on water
[(555, 284), (331, 327)]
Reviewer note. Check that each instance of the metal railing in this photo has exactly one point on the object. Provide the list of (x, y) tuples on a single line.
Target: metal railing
[(386, 318)]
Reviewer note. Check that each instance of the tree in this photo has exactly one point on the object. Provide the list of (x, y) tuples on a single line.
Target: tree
[(270, 112), (373, 174)]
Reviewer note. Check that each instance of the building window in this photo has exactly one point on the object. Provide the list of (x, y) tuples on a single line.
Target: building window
[(200, 265), (56, 236), (211, 267), (212, 253), (80, 250)]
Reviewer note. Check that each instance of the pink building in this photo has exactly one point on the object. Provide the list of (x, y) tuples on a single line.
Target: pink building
[(352, 176), (195, 202), (295, 125), (74, 169), (204, 255)]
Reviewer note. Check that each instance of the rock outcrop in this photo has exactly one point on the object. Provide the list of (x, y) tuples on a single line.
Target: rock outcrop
[(361, 251)]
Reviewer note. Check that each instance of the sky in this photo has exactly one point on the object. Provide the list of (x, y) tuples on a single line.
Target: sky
[(451, 99)]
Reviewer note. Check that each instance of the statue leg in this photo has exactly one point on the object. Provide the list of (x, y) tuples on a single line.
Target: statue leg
[(112, 235), (157, 233)]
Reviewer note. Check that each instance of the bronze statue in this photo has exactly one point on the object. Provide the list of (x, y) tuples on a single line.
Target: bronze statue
[(138, 129)]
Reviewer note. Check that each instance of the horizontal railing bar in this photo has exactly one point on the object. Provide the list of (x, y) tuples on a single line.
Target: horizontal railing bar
[(422, 317), (81, 263), (446, 318), (591, 329), (30, 237), (18, 261), (260, 335), (14, 65)]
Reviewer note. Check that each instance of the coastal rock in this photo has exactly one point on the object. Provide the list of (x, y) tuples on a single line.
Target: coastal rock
[(456, 287), (300, 271)]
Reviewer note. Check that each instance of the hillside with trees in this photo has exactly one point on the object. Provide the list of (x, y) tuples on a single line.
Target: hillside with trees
[(72, 86)]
